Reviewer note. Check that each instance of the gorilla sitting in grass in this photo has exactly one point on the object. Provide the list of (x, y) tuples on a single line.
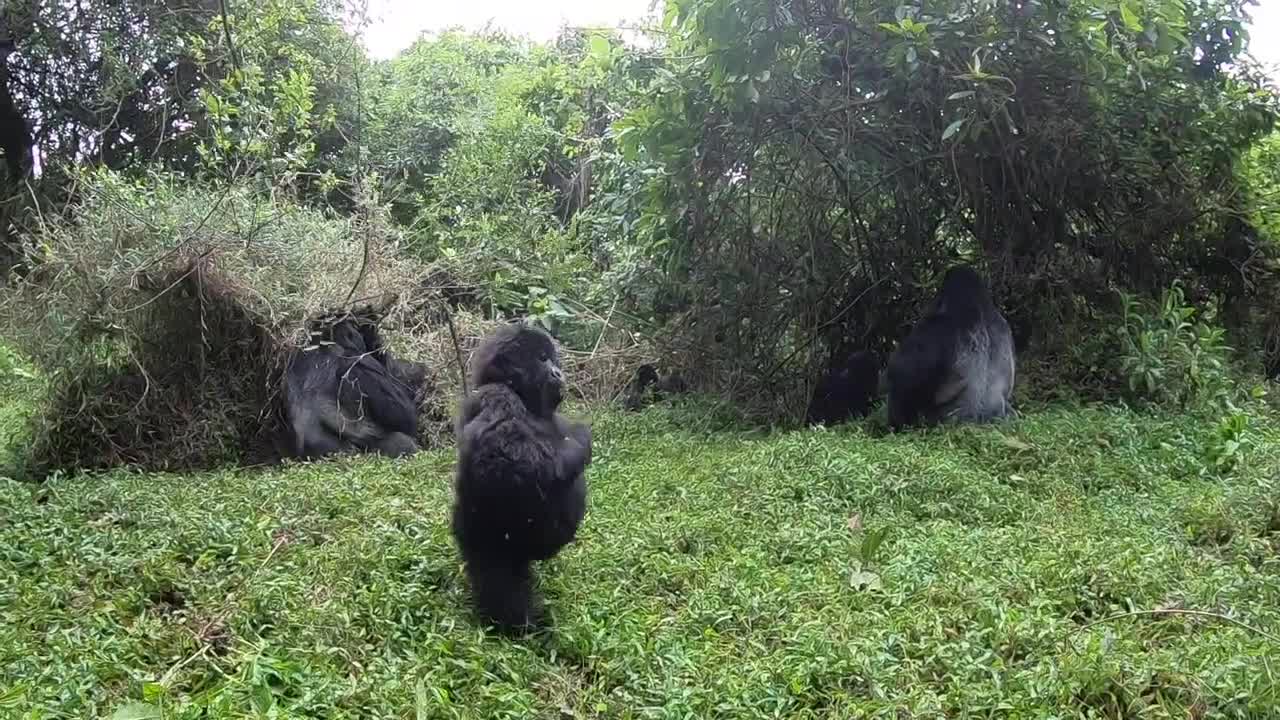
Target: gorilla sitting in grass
[(520, 491), (958, 361), (341, 396)]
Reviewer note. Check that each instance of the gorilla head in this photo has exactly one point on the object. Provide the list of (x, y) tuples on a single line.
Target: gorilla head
[(520, 491), (524, 359), (958, 361)]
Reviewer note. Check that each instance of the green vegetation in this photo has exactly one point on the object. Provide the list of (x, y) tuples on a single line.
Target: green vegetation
[(718, 575), (761, 189)]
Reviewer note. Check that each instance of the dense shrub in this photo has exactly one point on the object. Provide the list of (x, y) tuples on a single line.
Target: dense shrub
[(815, 167)]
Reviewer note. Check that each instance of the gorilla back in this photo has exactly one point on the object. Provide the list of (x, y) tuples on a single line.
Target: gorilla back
[(338, 397), (520, 490), (958, 362)]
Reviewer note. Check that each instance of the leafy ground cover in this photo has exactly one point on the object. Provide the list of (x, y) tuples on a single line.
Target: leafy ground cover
[(977, 572)]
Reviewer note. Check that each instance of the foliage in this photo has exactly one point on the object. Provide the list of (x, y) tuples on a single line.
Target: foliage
[(419, 104), (108, 81), (715, 576), (1262, 177), (1169, 352), (288, 71), (818, 166)]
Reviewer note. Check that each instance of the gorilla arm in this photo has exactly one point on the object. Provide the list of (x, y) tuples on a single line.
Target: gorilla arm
[(507, 450), (383, 399)]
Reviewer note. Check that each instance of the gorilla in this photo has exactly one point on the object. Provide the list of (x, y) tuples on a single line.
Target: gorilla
[(847, 390), (521, 490), (638, 393), (342, 396), (958, 361)]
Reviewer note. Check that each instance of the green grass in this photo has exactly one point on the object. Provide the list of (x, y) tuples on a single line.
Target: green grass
[(718, 575)]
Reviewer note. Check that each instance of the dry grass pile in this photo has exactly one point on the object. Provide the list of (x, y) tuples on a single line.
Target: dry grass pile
[(162, 313)]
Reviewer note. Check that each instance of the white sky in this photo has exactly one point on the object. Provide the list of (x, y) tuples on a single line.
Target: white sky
[(397, 23)]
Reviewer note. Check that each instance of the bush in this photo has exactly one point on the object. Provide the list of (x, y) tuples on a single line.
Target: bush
[(1172, 353)]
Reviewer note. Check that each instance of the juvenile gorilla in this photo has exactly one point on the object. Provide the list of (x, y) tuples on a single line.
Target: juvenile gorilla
[(520, 490), (847, 390), (958, 362), (340, 397), (647, 386)]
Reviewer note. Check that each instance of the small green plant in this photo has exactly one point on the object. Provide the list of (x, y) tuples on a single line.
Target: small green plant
[(1229, 444), (1171, 352)]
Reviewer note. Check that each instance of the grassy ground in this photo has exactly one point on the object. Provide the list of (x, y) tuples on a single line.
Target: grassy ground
[(717, 575)]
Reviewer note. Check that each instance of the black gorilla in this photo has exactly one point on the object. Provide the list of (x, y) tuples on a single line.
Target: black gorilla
[(958, 361), (341, 395), (847, 390), (638, 392), (520, 490)]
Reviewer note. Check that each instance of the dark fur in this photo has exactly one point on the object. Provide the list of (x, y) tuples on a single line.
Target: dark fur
[(647, 386), (847, 390), (520, 490), (339, 397), (958, 362)]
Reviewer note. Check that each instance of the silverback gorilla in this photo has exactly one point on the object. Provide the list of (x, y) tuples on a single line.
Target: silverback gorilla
[(847, 390), (342, 396), (520, 491), (958, 361)]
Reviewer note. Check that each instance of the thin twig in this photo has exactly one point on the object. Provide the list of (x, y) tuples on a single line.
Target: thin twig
[(457, 347), (226, 31), (205, 645), (818, 331), (604, 328)]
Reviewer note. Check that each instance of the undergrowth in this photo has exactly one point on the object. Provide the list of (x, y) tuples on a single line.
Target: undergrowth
[(1004, 571)]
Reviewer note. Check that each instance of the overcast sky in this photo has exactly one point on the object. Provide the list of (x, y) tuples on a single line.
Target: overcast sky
[(397, 23)]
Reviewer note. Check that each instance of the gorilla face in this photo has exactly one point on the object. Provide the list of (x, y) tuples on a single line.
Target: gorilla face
[(523, 358)]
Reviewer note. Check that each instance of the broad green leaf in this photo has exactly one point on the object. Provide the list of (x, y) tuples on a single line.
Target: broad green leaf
[(1131, 20), (599, 48), (960, 95), (953, 128)]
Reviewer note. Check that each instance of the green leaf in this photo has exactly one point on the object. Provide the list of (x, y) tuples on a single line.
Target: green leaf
[(872, 541), (961, 95), (953, 128), (136, 711), (13, 696), (599, 48), (421, 701), (261, 698), (1130, 18)]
